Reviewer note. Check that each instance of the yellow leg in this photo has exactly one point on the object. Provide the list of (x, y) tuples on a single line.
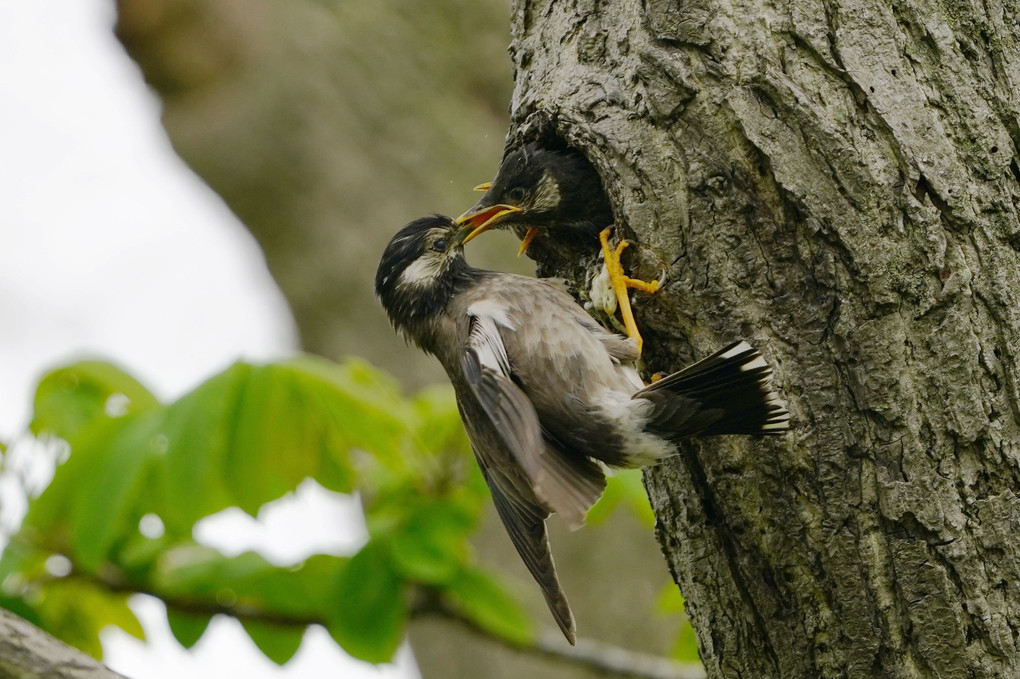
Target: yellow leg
[(621, 282)]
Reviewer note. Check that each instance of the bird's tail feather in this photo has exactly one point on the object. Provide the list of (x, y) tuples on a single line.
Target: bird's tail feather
[(729, 392)]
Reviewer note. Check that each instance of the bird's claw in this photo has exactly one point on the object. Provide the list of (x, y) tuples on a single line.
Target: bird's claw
[(621, 281)]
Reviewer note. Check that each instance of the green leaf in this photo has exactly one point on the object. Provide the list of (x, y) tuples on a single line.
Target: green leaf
[(86, 508), (48, 517), (370, 612), (245, 437), (439, 427), (203, 575), (137, 555), (188, 570), (20, 608), (277, 642), (187, 628), (430, 544), (89, 404), (253, 433), (277, 437), (193, 436), (363, 405), (107, 490), (487, 603), (20, 564), (71, 398), (75, 611), (302, 591)]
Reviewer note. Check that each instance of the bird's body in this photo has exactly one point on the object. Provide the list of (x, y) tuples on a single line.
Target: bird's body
[(578, 376), (547, 394)]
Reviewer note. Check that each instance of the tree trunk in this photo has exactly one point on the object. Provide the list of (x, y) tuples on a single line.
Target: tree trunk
[(836, 182)]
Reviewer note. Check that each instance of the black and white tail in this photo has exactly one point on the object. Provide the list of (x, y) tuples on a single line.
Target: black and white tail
[(730, 392)]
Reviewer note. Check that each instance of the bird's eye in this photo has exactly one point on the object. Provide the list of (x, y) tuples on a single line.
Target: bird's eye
[(516, 194), (439, 245)]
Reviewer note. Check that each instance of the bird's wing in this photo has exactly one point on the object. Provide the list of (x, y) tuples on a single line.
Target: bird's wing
[(525, 523), (566, 484)]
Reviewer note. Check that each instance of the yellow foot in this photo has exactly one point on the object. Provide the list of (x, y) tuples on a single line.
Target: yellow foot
[(621, 281)]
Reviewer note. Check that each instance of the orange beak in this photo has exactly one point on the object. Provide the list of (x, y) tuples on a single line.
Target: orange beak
[(485, 218)]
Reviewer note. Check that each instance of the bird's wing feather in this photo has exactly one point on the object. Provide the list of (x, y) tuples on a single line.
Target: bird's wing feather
[(566, 484), (525, 523)]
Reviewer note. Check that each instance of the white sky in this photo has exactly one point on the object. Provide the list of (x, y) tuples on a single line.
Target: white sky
[(111, 247)]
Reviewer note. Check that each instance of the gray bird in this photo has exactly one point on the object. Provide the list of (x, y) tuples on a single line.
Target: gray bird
[(547, 394)]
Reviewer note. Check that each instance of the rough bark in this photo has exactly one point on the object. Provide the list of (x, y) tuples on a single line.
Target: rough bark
[(836, 181), (26, 652)]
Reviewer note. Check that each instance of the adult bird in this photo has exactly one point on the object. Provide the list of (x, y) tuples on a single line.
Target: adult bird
[(546, 394), (560, 193)]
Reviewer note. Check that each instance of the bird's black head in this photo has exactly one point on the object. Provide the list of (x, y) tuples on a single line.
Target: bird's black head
[(421, 269), (541, 189)]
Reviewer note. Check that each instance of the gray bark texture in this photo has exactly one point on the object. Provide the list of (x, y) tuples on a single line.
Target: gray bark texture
[(26, 652), (836, 181)]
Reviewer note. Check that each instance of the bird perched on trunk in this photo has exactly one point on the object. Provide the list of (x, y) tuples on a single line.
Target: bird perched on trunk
[(546, 394), (560, 193)]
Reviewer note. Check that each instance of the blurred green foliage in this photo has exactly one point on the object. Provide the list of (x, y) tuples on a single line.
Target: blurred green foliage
[(243, 438)]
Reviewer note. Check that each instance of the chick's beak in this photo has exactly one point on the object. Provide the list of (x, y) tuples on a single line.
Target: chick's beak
[(484, 218)]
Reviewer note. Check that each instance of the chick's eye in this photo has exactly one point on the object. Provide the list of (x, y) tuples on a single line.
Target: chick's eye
[(439, 245), (516, 194)]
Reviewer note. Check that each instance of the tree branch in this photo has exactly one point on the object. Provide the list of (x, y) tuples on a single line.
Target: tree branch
[(26, 652), (606, 659), (594, 655)]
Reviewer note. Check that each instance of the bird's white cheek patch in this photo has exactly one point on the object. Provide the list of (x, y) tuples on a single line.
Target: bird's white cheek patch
[(422, 272), (547, 193)]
